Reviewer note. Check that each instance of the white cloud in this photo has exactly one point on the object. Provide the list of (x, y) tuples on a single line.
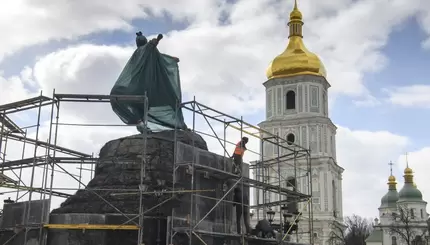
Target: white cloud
[(367, 101), (410, 96), (365, 155), (424, 20), (12, 89)]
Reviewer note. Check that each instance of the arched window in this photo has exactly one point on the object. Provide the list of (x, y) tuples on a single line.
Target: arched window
[(290, 99), (422, 214), (333, 186), (393, 240), (291, 139)]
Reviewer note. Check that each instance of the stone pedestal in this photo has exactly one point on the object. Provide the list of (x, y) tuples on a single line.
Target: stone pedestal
[(119, 168)]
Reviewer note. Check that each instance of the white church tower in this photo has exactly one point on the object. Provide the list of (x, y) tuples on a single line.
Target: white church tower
[(297, 110)]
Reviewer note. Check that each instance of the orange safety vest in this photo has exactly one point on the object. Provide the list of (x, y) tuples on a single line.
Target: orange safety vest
[(239, 150)]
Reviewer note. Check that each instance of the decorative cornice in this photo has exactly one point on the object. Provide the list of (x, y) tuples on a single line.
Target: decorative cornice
[(296, 80), (312, 120)]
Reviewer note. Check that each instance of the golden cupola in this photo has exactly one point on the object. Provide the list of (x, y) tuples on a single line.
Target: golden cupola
[(296, 58)]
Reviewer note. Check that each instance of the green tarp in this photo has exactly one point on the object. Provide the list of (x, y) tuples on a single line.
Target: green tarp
[(156, 74)]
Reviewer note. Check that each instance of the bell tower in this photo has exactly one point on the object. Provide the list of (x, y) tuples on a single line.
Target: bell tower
[(297, 110)]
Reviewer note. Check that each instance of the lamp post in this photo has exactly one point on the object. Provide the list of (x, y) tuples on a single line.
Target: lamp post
[(285, 214), (271, 215), (251, 214)]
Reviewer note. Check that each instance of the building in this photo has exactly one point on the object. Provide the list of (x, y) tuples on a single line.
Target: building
[(401, 214), (297, 109)]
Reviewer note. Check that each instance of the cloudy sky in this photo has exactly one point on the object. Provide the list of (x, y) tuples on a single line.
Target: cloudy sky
[(376, 53)]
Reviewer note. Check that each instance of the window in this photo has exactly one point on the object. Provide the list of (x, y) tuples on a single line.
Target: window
[(290, 99), (291, 139), (393, 240), (291, 183), (333, 186), (269, 103), (422, 214), (412, 214)]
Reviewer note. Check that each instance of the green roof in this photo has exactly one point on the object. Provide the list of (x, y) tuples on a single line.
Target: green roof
[(410, 193), (375, 236), (390, 199)]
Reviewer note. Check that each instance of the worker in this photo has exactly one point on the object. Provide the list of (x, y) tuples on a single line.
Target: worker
[(238, 154), (264, 229), (241, 212)]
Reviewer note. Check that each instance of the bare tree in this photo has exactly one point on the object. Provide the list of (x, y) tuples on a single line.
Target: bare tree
[(337, 234), (405, 228), (353, 231)]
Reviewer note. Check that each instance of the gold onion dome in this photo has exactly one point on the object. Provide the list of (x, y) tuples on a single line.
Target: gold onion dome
[(391, 180), (296, 58), (408, 171)]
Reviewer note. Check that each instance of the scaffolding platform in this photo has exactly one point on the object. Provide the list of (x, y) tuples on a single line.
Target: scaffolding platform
[(4, 179), (26, 104), (10, 125), (23, 163), (97, 98), (36, 189), (52, 147), (90, 227), (249, 182)]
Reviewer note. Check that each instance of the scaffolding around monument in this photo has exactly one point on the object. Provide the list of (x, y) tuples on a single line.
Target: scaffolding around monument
[(56, 157), (293, 153)]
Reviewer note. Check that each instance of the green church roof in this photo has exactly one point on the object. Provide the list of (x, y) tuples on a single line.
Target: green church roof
[(390, 199), (410, 193), (375, 236)]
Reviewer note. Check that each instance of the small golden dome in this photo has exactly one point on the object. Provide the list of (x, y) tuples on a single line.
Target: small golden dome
[(295, 14), (296, 58), (391, 178), (408, 171)]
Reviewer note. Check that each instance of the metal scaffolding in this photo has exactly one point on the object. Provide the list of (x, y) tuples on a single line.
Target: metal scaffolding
[(265, 164), (52, 162)]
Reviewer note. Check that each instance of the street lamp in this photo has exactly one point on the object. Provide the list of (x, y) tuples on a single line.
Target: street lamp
[(251, 214), (271, 215), (285, 213)]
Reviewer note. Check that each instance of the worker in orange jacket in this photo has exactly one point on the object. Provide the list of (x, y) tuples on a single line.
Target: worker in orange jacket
[(238, 154)]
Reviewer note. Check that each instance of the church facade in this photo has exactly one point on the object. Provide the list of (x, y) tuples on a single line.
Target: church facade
[(297, 110), (402, 215)]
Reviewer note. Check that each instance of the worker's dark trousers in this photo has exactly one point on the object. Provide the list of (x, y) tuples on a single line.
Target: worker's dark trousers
[(245, 218), (237, 159)]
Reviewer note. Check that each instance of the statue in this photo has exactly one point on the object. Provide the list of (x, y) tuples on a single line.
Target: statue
[(156, 75), (140, 39)]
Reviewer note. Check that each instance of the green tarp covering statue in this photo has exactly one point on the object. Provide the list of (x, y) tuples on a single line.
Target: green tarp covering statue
[(155, 74)]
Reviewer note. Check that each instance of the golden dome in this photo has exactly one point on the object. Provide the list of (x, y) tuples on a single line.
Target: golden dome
[(408, 171), (391, 178), (296, 58)]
